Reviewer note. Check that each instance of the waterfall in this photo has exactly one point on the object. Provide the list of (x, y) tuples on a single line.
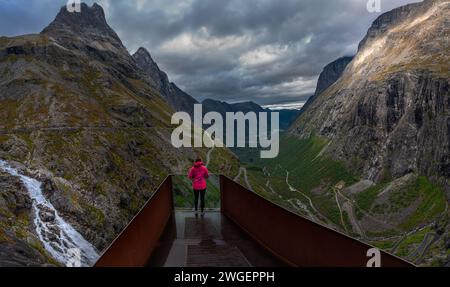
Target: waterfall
[(59, 238)]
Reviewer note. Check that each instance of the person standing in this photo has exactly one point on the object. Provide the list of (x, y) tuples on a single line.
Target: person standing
[(198, 174)]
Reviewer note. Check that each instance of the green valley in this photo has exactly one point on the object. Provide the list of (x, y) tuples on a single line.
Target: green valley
[(392, 215)]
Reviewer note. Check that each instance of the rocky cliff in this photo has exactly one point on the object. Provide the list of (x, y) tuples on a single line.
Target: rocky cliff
[(79, 114), (388, 114), (177, 98), (386, 120), (330, 74)]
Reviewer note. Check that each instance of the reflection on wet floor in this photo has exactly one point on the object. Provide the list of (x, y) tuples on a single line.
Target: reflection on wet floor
[(210, 241)]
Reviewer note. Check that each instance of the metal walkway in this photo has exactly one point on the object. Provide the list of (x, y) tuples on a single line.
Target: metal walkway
[(209, 241)]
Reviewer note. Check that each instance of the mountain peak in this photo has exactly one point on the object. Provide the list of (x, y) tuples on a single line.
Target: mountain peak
[(145, 61), (143, 57), (331, 73), (142, 50), (390, 92), (89, 24), (177, 98), (397, 15), (88, 17)]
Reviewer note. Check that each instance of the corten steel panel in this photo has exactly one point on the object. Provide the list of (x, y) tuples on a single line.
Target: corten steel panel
[(134, 246), (294, 239)]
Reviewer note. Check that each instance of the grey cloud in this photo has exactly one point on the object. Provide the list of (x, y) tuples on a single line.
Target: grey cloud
[(268, 51)]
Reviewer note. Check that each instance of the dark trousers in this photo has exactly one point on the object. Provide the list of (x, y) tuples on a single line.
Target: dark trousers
[(201, 194)]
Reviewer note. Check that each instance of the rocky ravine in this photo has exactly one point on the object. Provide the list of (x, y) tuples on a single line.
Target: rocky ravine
[(19, 245), (59, 238), (80, 115)]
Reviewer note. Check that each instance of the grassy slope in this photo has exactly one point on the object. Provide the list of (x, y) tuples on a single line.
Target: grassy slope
[(114, 166), (315, 175), (432, 201), (308, 169)]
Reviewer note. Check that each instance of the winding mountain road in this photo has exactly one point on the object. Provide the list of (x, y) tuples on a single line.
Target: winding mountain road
[(354, 204), (426, 243), (291, 188), (208, 157), (73, 128), (347, 207), (270, 187), (340, 211), (243, 170)]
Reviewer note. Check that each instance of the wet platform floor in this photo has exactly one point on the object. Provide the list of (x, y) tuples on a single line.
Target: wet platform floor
[(209, 241)]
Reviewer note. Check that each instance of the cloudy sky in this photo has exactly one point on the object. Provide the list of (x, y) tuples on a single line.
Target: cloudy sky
[(268, 51)]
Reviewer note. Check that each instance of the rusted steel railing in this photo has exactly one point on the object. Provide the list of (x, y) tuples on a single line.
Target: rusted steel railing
[(135, 245), (295, 240)]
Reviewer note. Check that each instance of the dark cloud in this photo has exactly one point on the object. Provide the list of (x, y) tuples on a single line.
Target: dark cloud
[(269, 51)]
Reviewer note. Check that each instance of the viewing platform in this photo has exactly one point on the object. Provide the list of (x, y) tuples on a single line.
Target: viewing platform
[(212, 240), (245, 230)]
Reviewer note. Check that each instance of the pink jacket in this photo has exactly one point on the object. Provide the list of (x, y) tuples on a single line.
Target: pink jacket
[(198, 173)]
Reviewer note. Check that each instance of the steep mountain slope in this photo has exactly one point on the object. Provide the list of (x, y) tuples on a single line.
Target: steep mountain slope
[(79, 114), (330, 74), (177, 98), (388, 115), (370, 155), (181, 101)]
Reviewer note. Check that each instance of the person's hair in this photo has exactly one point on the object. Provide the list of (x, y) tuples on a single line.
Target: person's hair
[(198, 159)]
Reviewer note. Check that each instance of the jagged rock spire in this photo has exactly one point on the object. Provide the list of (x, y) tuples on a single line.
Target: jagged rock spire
[(90, 25)]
